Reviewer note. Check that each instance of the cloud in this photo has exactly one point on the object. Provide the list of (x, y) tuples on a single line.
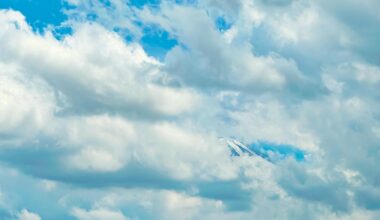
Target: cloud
[(112, 132), (81, 214), (26, 215), (27, 105), (207, 60), (77, 66)]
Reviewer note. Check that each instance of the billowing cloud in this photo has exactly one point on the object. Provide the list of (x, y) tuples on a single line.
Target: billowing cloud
[(97, 214), (26, 215)]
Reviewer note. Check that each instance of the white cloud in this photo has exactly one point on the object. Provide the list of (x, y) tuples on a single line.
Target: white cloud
[(210, 60), (97, 214), (105, 143), (27, 104), (161, 204), (26, 215), (94, 110), (93, 64)]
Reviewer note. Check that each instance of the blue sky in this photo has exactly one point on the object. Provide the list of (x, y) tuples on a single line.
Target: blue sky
[(127, 109), (38, 14)]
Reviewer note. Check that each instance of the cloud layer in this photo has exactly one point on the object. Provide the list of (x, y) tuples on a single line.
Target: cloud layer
[(125, 115)]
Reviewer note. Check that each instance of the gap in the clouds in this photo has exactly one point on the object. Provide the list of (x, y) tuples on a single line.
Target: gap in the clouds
[(60, 32), (39, 13), (106, 3), (222, 24), (190, 2), (142, 3), (157, 41), (125, 33), (275, 152)]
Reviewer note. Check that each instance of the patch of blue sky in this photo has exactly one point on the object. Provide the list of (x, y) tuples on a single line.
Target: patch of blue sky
[(222, 24), (126, 33), (142, 3), (60, 32), (275, 152), (157, 41), (106, 3), (190, 2), (39, 13)]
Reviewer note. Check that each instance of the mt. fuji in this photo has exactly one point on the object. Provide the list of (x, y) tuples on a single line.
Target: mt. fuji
[(269, 151)]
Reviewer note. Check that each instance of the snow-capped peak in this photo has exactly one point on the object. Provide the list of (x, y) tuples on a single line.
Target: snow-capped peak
[(268, 151), (238, 148)]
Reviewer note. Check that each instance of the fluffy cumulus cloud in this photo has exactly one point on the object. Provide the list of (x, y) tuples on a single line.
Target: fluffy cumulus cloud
[(208, 109), (25, 215), (97, 214)]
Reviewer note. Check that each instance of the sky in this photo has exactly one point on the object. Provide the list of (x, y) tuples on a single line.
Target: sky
[(125, 109)]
